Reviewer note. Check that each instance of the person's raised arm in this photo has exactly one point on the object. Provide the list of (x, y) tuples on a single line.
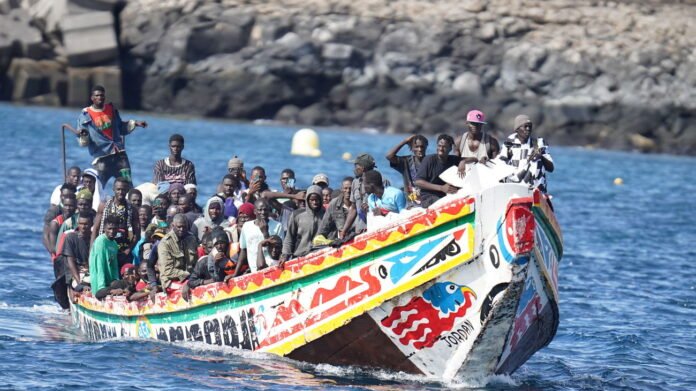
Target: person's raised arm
[(391, 155)]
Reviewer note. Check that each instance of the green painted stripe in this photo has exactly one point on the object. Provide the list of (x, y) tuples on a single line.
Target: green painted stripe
[(550, 233), (192, 314)]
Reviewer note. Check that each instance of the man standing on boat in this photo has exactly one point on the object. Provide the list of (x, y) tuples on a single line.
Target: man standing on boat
[(175, 169), (407, 166), (529, 155), (475, 146), (102, 130)]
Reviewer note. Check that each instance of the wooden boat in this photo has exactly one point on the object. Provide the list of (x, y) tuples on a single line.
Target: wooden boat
[(468, 286)]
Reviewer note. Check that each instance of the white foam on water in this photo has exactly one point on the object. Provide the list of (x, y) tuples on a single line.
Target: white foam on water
[(481, 381), (47, 308)]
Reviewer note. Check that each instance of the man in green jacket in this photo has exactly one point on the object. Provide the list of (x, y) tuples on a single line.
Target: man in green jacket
[(176, 254), (103, 258)]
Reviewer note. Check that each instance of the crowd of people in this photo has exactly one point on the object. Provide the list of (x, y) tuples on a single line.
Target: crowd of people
[(137, 241)]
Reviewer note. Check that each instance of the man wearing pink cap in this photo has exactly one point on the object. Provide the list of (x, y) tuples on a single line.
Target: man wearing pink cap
[(475, 146)]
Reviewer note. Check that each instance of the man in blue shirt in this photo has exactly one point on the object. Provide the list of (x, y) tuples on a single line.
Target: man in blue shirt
[(382, 200)]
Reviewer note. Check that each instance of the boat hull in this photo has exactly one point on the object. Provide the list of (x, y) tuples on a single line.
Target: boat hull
[(467, 286)]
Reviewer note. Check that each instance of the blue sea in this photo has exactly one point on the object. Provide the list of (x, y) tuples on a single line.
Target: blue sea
[(627, 278)]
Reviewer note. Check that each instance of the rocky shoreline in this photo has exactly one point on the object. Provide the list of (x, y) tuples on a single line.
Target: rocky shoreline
[(609, 74)]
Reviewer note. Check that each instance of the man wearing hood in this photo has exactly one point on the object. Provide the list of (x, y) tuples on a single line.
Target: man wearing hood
[(303, 226), (176, 254), (212, 217), (212, 267)]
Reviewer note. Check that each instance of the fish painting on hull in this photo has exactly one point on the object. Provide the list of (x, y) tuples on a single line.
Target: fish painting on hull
[(424, 319)]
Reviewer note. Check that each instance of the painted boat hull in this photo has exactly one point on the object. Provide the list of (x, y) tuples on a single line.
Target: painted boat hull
[(468, 286)]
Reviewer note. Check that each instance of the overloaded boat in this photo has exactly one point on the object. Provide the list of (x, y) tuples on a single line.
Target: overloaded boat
[(467, 286)]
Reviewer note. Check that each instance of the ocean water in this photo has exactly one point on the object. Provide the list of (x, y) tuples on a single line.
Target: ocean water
[(627, 285)]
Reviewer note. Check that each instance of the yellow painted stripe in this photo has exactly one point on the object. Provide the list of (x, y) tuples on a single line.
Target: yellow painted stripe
[(291, 343)]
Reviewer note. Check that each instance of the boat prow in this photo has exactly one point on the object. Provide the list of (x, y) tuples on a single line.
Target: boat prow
[(466, 286)]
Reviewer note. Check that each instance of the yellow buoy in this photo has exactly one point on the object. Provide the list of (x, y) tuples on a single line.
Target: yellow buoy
[(305, 142), (347, 156), (618, 181)]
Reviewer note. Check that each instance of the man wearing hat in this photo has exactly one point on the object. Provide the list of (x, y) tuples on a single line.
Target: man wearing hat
[(363, 163), (321, 180), (528, 154), (475, 146), (235, 167)]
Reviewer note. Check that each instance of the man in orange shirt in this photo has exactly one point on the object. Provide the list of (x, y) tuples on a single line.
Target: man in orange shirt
[(102, 124)]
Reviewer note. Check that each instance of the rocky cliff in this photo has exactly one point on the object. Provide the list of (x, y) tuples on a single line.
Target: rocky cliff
[(614, 74)]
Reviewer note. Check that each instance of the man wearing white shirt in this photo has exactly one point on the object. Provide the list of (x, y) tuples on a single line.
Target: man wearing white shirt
[(253, 233)]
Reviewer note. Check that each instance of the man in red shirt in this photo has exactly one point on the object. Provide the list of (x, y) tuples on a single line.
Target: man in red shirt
[(102, 125)]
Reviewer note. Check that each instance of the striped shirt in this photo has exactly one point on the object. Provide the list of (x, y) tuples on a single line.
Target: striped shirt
[(183, 173), (516, 154)]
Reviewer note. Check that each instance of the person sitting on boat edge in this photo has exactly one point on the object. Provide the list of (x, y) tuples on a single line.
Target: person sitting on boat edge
[(428, 179), (528, 154), (72, 178), (212, 267), (102, 123), (129, 229), (407, 166), (269, 252), (357, 215), (176, 255), (103, 256), (174, 168), (380, 199), (254, 232), (122, 287), (303, 226), (337, 212), (475, 145)]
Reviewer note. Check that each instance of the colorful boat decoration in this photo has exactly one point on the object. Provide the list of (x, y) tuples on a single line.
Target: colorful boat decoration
[(468, 286)]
